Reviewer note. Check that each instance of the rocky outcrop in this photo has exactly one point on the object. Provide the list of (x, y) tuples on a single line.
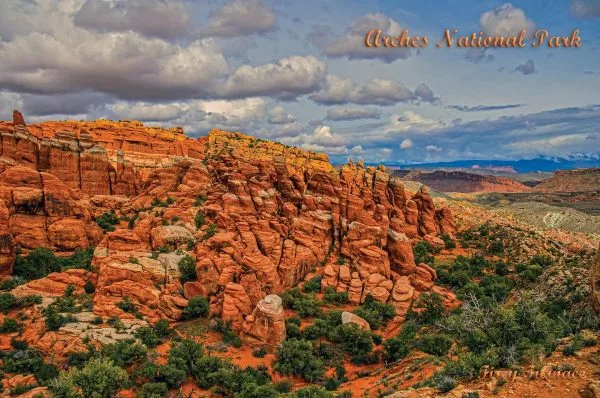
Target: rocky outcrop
[(348, 317), (595, 282), (579, 180), (464, 182), (39, 210), (256, 216), (266, 325), (98, 157)]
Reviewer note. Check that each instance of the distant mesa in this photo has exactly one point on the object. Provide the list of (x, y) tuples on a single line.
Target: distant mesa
[(463, 182)]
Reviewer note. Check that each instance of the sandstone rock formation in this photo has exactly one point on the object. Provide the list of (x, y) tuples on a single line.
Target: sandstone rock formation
[(595, 282), (266, 325), (348, 317), (257, 216)]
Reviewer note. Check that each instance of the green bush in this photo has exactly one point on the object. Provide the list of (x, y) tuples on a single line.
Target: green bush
[(197, 307), (435, 344), (126, 305), (171, 375), (375, 313), (427, 309), (313, 285), (187, 269), (295, 357), (29, 362), (89, 287), (199, 201), (330, 296), (210, 231), (124, 352), (448, 242), (7, 302), (153, 390), (354, 340), (147, 336), (229, 335), (199, 219), (9, 325), (98, 378), (185, 354), (107, 221), (38, 263), (422, 253)]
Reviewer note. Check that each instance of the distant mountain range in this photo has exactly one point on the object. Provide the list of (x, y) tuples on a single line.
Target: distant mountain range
[(542, 164)]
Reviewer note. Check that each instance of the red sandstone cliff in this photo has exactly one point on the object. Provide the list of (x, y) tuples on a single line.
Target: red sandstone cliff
[(271, 215)]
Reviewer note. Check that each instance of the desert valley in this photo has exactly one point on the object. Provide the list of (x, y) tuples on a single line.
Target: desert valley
[(139, 262)]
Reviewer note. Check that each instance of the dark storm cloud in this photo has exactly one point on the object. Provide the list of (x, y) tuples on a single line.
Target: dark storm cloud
[(63, 104)]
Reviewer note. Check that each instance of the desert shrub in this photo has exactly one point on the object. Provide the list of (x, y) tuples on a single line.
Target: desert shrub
[(422, 253), (259, 352), (197, 307), (283, 386), (29, 362), (89, 287), (330, 296), (162, 328), (185, 354), (427, 309), (147, 336), (126, 305), (171, 375), (9, 325), (153, 390), (292, 326), (375, 313), (400, 345), (229, 335), (323, 326), (330, 354), (78, 359), (207, 370), (199, 201), (199, 219), (313, 285), (98, 378), (7, 302), (124, 352), (54, 319), (210, 231), (187, 269), (308, 307), (446, 384), (107, 221), (354, 340), (435, 344), (38, 263), (448, 242), (81, 258), (311, 392), (501, 268), (295, 357), (132, 220)]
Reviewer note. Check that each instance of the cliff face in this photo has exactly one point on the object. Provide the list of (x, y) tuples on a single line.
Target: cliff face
[(98, 157), (584, 180), (256, 216), (460, 181)]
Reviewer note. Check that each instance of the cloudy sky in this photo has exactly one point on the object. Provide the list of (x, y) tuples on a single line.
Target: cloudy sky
[(298, 72)]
